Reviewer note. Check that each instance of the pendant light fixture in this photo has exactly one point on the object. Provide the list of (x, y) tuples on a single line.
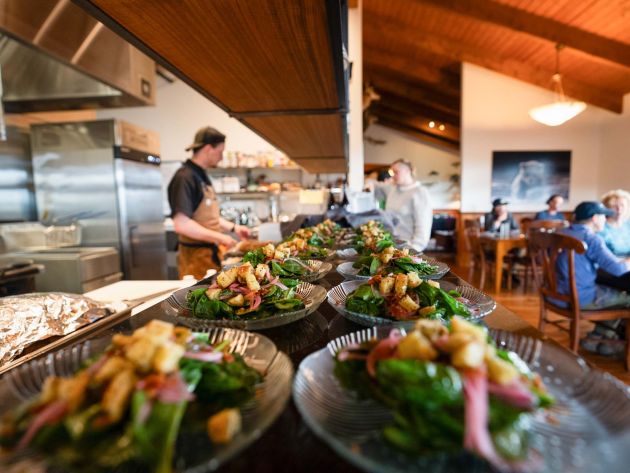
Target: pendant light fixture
[(562, 109)]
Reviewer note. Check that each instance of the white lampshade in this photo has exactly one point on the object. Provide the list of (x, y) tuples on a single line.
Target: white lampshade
[(557, 113)]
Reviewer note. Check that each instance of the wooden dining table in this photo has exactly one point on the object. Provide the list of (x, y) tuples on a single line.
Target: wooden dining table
[(500, 246)]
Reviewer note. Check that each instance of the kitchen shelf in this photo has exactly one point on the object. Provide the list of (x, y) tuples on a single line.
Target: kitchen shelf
[(257, 168)]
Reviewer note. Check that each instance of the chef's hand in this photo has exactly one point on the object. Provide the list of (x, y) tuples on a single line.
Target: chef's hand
[(242, 231), (227, 241)]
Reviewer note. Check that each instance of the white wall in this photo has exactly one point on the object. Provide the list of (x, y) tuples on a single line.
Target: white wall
[(179, 112), (615, 152), (495, 117), (424, 157)]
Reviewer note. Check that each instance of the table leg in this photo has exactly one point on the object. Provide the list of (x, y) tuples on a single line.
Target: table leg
[(498, 270)]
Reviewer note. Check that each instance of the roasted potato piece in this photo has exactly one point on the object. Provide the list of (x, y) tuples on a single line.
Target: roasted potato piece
[(167, 356), (237, 301), (468, 356), (404, 252), (457, 340), (224, 425), (116, 396), (408, 304), (268, 250), (111, 368), (140, 352), (413, 280), (431, 329), (416, 346), (500, 371), (50, 389), (385, 258), (72, 390), (389, 250), (121, 340), (252, 282), (300, 244), (426, 311), (458, 324), (243, 271), (182, 334), (213, 293), (261, 271), (386, 285), (225, 278), (156, 330), (400, 286)]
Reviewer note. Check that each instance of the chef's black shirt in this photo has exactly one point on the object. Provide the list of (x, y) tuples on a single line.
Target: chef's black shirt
[(185, 191)]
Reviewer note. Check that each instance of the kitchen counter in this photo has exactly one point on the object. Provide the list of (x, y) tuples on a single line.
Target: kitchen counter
[(135, 290)]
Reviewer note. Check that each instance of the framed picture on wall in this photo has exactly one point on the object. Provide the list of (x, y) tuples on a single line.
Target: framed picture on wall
[(530, 177)]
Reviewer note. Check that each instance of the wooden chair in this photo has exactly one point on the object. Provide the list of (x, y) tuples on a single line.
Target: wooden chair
[(546, 225), (482, 257), (545, 248)]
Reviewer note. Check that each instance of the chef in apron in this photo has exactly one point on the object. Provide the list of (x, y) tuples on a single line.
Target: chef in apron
[(202, 233)]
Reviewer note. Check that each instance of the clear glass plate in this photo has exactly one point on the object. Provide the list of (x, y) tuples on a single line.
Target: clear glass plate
[(349, 254), (479, 304), (194, 453), (587, 430), (319, 269), (175, 306), (348, 272)]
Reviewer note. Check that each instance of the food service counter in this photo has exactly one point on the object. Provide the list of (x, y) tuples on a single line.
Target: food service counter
[(289, 445)]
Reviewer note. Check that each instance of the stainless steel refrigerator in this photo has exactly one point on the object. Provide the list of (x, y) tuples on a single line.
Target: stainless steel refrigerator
[(105, 175)]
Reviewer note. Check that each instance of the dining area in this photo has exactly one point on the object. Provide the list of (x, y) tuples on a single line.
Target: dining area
[(517, 261)]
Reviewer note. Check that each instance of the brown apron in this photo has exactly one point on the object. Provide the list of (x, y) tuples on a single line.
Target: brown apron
[(196, 257)]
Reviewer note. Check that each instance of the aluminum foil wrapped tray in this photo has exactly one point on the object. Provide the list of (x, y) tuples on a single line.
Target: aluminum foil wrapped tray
[(29, 318)]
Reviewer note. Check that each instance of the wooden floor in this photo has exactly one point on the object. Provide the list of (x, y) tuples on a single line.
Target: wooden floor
[(526, 305)]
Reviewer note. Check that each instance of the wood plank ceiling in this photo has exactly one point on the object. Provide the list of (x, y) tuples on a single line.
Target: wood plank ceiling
[(269, 63), (413, 50)]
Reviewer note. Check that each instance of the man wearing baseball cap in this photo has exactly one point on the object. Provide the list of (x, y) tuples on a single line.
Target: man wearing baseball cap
[(589, 218), (499, 216), (195, 209)]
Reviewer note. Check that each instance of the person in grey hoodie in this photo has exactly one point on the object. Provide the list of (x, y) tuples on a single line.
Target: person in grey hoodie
[(410, 204)]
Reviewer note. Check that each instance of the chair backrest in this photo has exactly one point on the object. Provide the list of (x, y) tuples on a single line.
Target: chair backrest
[(545, 247), (525, 223), (471, 239), (546, 225)]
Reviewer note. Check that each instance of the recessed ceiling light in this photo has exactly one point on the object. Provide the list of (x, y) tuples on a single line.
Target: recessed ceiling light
[(441, 127), (431, 124)]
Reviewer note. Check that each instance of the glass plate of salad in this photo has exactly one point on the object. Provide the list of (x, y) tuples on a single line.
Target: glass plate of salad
[(245, 298), (585, 429), (371, 307), (367, 266), (160, 399), (286, 263)]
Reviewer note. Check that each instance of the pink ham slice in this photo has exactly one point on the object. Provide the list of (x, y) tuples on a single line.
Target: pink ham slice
[(50, 414), (385, 349)]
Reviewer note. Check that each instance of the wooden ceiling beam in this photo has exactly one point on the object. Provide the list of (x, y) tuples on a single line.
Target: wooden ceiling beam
[(489, 11), (417, 120), (413, 91), (418, 134), (410, 67), (405, 105), (489, 59)]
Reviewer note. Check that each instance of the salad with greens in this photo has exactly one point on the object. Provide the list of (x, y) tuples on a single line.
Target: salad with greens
[(280, 262), (393, 260), (125, 408), (372, 238), (405, 297), (448, 389), (322, 234), (245, 292)]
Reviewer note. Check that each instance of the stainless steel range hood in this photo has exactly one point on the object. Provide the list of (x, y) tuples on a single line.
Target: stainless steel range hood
[(54, 56)]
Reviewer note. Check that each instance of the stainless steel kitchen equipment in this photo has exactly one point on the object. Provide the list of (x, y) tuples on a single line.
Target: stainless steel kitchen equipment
[(55, 56), (104, 175), (17, 196), (75, 270)]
